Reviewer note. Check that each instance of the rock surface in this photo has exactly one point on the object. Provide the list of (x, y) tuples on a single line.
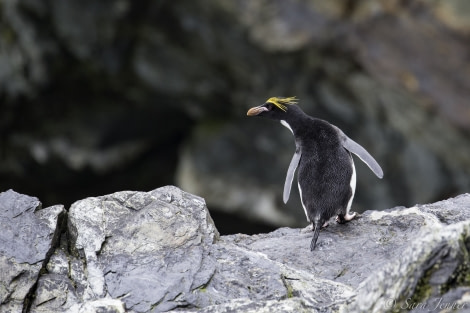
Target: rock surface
[(109, 93), (29, 236), (160, 251)]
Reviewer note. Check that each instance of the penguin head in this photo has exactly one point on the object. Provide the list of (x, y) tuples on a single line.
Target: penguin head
[(275, 108)]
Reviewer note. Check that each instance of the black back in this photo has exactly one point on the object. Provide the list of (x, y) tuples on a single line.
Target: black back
[(324, 171)]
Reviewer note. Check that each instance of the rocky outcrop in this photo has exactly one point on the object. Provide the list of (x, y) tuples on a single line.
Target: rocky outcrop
[(29, 235), (117, 95), (160, 251)]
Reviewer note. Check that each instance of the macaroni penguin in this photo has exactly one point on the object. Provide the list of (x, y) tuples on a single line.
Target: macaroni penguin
[(326, 175)]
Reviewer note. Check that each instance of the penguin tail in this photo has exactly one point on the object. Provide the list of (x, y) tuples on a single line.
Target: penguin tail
[(316, 231)]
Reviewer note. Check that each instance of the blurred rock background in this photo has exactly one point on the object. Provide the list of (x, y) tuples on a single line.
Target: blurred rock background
[(102, 96)]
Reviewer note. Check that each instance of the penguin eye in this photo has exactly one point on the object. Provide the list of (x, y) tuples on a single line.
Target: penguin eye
[(269, 106)]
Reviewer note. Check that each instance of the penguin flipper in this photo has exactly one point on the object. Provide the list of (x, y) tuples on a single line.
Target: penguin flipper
[(290, 174), (362, 153)]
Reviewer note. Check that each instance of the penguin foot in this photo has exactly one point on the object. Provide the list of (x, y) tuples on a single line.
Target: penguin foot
[(326, 224), (341, 219)]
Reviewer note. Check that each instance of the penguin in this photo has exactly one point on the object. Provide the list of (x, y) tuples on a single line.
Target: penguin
[(326, 176)]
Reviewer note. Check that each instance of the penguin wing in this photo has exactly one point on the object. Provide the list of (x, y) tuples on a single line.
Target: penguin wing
[(290, 174), (362, 153)]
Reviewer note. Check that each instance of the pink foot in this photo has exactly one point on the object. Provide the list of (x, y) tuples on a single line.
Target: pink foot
[(345, 218)]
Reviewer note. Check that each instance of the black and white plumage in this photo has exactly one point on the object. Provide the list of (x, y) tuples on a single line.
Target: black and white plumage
[(326, 174)]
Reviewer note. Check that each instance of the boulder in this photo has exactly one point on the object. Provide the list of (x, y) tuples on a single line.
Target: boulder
[(29, 236), (160, 251)]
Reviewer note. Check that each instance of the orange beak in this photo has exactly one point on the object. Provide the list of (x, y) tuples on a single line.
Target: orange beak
[(256, 110)]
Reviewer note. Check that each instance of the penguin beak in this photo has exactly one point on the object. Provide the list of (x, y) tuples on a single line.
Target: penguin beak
[(256, 110)]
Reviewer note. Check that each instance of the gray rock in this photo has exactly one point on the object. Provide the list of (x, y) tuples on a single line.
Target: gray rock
[(28, 237), (151, 249), (105, 305), (160, 251)]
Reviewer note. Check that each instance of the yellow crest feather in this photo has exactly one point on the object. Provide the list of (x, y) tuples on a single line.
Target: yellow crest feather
[(282, 103)]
